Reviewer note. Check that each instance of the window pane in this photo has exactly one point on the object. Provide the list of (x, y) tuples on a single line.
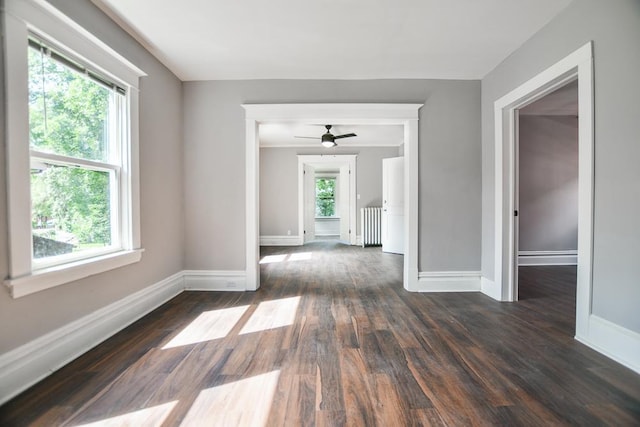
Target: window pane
[(325, 197), (70, 209), (68, 112)]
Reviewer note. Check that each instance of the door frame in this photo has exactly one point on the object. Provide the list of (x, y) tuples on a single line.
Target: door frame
[(338, 160), (578, 65), (353, 114)]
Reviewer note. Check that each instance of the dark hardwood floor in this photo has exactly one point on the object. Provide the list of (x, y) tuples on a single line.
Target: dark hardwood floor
[(331, 338)]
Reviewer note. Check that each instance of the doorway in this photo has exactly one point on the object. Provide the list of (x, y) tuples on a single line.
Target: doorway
[(405, 115), (578, 65), (327, 197), (546, 176)]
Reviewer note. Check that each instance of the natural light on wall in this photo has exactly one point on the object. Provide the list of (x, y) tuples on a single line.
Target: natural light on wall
[(210, 325), (272, 314), (152, 416), (241, 403)]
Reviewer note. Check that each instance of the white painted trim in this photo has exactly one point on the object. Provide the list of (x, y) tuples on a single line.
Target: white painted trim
[(214, 280), (53, 276), (532, 258), (353, 114), (281, 241), (358, 240), (614, 341), (30, 363), (21, 18), (490, 288), (578, 64), (448, 281)]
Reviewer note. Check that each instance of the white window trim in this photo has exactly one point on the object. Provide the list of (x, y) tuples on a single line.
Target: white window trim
[(38, 16)]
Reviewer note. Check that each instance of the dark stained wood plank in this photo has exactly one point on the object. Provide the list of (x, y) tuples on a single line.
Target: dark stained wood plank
[(359, 350)]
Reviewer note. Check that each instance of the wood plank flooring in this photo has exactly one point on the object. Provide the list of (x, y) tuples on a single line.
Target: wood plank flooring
[(332, 339)]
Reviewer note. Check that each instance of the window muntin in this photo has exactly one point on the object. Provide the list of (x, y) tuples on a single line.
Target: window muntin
[(75, 121), (325, 197)]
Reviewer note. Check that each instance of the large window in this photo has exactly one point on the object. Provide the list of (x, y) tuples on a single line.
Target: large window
[(71, 150), (75, 120), (325, 197)]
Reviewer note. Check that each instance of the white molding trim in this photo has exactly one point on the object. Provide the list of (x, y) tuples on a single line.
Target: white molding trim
[(614, 341), (490, 288), (26, 365), (532, 258), (577, 65), (406, 115), (214, 280), (448, 281), (281, 241), (53, 276)]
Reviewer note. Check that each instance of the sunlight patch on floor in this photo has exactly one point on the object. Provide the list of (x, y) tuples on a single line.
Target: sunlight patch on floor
[(273, 258), (245, 402), (147, 417), (272, 314), (210, 325), (298, 256)]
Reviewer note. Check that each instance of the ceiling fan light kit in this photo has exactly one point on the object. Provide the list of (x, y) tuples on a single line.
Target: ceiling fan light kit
[(328, 140)]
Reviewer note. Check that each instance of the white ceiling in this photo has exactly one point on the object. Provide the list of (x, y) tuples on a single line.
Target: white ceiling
[(284, 135), (331, 39)]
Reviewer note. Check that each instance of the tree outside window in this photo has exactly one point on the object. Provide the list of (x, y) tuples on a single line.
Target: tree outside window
[(325, 197), (73, 170)]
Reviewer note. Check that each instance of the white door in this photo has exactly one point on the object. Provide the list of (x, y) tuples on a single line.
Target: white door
[(343, 204), (393, 205), (309, 203)]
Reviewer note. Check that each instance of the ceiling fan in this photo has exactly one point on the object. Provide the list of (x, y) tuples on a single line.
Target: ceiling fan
[(328, 140)]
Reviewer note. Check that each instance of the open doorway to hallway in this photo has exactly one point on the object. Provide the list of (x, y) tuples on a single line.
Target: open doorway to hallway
[(546, 202)]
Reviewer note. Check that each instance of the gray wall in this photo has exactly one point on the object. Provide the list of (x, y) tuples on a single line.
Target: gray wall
[(449, 151), (614, 26), (548, 212), (29, 317), (279, 184)]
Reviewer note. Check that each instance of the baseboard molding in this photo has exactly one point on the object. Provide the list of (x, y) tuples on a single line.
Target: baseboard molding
[(448, 281), (531, 258), (26, 365), (281, 241), (490, 289), (614, 341), (215, 280), (358, 240)]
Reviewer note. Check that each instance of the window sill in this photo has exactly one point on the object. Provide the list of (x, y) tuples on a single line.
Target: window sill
[(58, 275)]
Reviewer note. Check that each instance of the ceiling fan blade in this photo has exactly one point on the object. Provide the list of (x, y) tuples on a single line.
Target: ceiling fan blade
[(346, 135), (307, 137)]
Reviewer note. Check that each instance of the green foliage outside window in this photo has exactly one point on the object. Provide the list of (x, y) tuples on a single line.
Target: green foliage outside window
[(69, 116), (325, 197)]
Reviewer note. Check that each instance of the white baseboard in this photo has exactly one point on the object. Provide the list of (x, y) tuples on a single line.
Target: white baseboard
[(614, 341), (281, 241), (531, 258), (26, 365), (215, 280), (490, 289), (448, 281), (358, 240)]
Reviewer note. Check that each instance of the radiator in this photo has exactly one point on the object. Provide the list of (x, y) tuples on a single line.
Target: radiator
[(371, 226)]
